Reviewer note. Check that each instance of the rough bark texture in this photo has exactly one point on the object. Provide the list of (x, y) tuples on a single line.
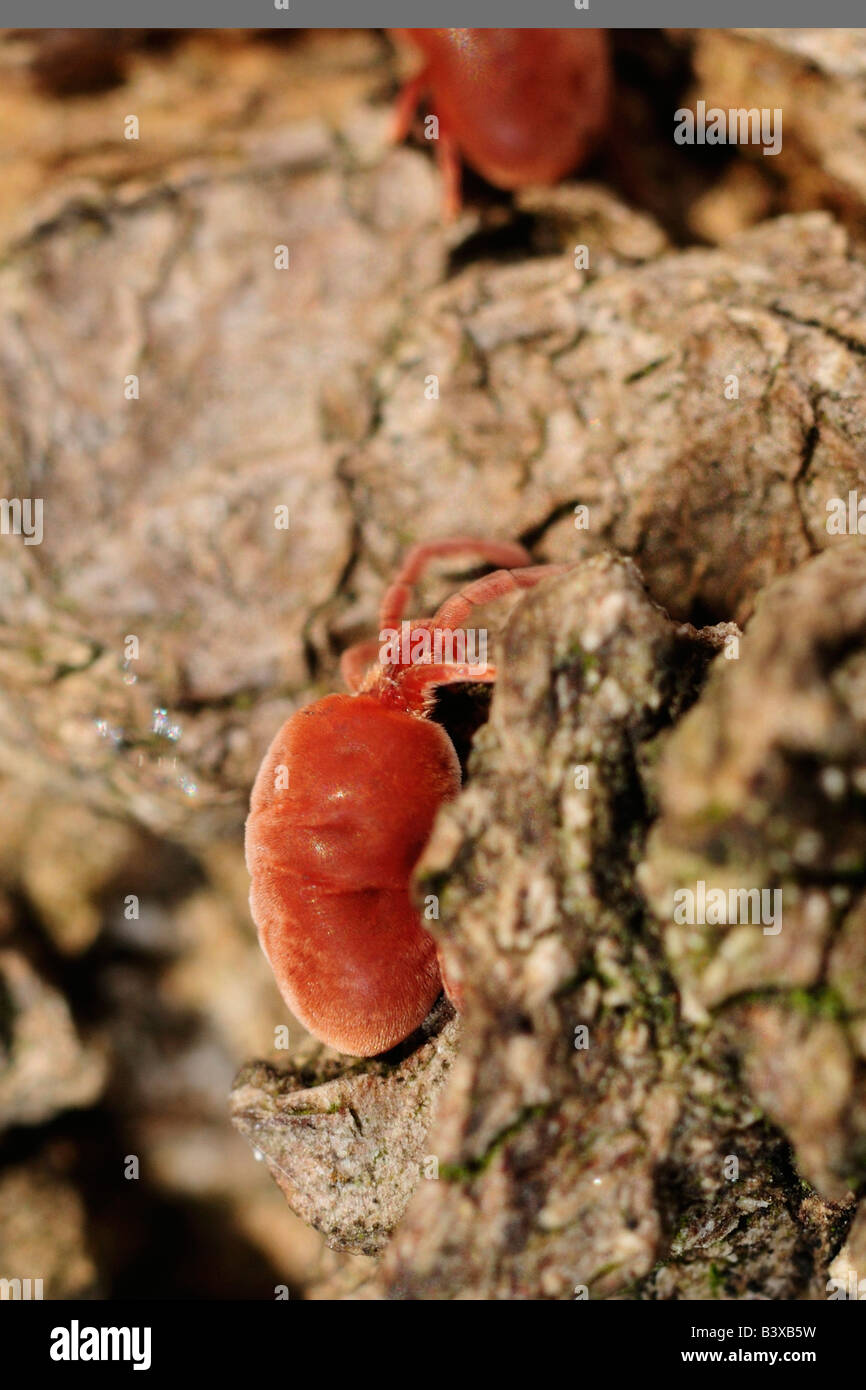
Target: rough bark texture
[(345, 1141), (548, 1141), (609, 387), (611, 396)]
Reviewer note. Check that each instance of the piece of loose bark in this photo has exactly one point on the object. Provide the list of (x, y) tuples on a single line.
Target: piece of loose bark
[(345, 1140)]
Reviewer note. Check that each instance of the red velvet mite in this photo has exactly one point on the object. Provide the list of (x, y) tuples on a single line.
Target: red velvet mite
[(342, 807), (522, 106)]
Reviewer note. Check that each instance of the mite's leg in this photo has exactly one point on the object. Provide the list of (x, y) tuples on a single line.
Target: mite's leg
[(448, 160), (447, 152), (356, 661), (417, 559), (417, 684), (361, 667), (453, 988), (407, 104), (456, 610)]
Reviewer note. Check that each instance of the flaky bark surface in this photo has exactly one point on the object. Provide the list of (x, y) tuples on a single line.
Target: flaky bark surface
[(552, 395), (558, 1166), (345, 1141)]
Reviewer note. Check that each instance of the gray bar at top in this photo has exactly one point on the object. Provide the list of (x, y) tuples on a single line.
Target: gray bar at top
[(373, 14)]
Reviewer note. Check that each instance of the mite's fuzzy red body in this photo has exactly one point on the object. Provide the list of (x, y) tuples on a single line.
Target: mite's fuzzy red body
[(330, 858), (342, 808), (522, 106)]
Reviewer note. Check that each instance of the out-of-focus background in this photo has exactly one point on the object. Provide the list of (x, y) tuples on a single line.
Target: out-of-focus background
[(165, 389)]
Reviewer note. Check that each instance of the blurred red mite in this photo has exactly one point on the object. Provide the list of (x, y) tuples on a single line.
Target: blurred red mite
[(521, 106), (342, 807)]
